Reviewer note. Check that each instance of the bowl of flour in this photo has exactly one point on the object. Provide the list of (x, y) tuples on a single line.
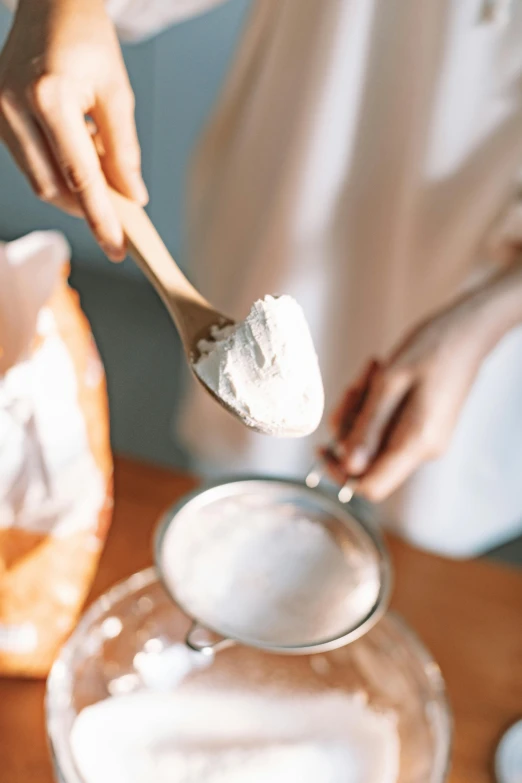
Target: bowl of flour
[(127, 702), (283, 577)]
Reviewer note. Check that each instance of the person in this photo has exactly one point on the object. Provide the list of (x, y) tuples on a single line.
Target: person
[(359, 157)]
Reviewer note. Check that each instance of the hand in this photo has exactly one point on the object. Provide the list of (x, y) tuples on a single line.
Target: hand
[(402, 412), (62, 62)]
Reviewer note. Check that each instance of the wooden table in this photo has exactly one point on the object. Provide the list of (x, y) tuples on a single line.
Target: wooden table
[(469, 614)]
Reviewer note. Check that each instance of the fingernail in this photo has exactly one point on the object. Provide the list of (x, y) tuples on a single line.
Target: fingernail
[(358, 460), (114, 252), (139, 190), (114, 236), (108, 230), (346, 492), (114, 248), (339, 452)]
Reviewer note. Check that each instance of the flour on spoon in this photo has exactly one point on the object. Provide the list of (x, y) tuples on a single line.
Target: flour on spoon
[(265, 369)]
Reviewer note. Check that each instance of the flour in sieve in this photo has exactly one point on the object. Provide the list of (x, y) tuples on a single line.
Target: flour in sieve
[(257, 573)]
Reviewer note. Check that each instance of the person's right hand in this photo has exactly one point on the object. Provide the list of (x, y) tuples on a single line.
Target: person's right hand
[(61, 63)]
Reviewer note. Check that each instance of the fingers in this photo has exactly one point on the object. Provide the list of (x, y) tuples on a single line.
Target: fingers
[(31, 153), (386, 391), (411, 442), (121, 159), (332, 465), (345, 414), (343, 419), (62, 122)]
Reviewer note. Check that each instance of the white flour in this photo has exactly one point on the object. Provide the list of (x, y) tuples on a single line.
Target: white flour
[(261, 572), (266, 370), (217, 737)]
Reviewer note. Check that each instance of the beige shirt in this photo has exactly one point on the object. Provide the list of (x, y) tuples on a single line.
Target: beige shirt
[(357, 159)]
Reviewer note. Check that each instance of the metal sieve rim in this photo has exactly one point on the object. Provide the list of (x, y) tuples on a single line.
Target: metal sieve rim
[(340, 510)]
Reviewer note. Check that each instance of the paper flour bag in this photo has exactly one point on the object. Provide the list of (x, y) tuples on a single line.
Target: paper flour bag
[(55, 460)]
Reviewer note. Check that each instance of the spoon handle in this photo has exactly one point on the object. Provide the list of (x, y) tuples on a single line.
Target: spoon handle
[(152, 257)]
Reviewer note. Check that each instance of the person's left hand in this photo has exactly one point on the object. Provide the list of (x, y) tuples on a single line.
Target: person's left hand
[(402, 411)]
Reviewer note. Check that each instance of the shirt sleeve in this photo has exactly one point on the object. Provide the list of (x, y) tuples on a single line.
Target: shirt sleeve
[(137, 20)]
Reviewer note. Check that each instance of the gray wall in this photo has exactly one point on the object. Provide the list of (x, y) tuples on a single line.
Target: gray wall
[(176, 77)]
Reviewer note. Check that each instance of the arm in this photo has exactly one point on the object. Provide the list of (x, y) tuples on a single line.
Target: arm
[(61, 62), (413, 399)]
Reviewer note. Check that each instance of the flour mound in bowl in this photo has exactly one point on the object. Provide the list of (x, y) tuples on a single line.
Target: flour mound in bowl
[(222, 737), (265, 369)]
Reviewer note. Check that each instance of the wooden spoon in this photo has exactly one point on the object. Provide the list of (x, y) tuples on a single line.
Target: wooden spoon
[(192, 314)]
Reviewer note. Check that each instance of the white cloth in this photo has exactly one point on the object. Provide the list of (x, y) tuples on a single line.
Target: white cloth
[(50, 482)]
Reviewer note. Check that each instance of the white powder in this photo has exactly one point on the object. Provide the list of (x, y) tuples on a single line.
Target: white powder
[(266, 370), (217, 737), (266, 574)]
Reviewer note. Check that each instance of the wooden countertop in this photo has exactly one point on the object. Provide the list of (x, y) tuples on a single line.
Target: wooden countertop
[(469, 614)]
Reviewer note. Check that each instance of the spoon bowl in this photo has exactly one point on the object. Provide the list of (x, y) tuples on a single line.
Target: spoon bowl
[(196, 318)]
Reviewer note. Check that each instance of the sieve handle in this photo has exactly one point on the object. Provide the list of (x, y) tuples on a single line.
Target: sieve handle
[(316, 475), (206, 642)]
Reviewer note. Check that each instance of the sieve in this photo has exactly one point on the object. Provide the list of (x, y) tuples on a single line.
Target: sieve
[(272, 564)]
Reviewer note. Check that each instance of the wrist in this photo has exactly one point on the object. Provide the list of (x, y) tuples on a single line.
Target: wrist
[(496, 307)]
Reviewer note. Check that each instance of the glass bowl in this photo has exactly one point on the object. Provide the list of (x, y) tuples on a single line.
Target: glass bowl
[(137, 618)]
